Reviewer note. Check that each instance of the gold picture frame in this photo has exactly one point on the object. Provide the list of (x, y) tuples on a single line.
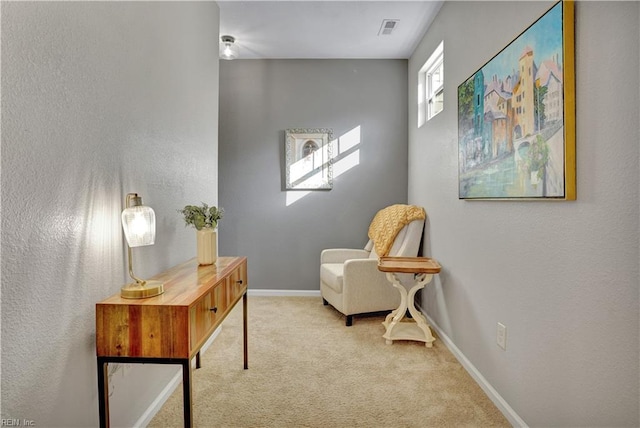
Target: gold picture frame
[(516, 116)]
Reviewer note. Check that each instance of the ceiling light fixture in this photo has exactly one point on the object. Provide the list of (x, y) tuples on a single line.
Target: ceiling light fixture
[(228, 48)]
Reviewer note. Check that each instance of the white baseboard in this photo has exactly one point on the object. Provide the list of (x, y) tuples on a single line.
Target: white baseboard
[(164, 395), (157, 404), (271, 293), (493, 395)]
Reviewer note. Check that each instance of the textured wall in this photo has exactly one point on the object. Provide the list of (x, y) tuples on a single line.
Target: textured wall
[(562, 276), (364, 102), (98, 99)]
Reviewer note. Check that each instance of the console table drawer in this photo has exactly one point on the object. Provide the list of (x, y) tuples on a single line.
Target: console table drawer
[(206, 312), (236, 283)]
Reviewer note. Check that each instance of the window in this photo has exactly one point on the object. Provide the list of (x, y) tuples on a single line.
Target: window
[(431, 86), (435, 85)]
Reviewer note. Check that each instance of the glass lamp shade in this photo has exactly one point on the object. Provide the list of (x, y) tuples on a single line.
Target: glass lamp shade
[(139, 224), (228, 48)]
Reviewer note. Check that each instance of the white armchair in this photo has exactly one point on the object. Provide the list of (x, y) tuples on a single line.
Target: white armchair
[(351, 282)]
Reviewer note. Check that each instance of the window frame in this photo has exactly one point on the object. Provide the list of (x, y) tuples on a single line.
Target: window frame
[(427, 92), (434, 91)]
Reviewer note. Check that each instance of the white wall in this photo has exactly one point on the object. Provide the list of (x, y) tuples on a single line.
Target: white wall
[(562, 276), (98, 99)]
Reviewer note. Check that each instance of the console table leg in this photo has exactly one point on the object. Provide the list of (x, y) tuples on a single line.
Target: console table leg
[(244, 330), (103, 393), (186, 393)]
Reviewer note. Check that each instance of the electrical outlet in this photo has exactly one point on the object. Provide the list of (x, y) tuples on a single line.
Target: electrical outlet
[(501, 337)]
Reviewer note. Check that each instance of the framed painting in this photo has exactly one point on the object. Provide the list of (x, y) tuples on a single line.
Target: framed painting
[(308, 160), (516, 117)]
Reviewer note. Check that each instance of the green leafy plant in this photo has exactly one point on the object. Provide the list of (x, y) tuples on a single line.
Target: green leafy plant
[(201, 216), (538, 156)]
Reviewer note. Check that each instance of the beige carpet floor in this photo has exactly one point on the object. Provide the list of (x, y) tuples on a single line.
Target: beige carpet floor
[(306, 369)]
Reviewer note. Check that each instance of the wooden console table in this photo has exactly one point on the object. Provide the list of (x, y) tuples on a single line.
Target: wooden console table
[(416, 328), (172, 327)]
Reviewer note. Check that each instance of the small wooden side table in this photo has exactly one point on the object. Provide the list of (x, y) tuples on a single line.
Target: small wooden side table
[(397, 327)]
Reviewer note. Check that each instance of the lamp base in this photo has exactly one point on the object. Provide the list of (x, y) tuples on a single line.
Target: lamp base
[(135, 290)]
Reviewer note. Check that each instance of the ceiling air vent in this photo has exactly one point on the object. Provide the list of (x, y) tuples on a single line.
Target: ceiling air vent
[(387, 27)]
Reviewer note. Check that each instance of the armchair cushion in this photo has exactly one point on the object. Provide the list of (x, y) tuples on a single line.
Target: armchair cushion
[(332, 274)]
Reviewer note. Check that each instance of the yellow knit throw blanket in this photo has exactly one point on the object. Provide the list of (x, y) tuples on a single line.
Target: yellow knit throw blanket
[(389, 221)]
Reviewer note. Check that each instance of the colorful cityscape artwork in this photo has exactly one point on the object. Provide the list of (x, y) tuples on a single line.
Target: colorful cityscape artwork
[(516, 116)]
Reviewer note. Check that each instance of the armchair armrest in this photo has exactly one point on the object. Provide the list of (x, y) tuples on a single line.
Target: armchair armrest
[(360, 268), (341, 255), (366, 289)]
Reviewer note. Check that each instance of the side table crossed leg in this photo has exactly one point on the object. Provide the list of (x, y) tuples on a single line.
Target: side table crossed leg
[(418, 329)]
